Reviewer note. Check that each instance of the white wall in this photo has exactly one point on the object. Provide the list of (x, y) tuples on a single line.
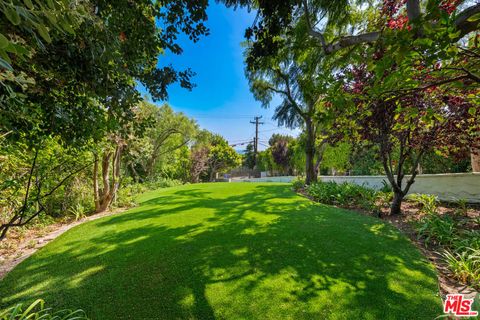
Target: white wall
[(448, 187)]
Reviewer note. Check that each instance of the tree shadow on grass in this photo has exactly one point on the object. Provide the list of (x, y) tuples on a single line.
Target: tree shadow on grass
[(194, 253)]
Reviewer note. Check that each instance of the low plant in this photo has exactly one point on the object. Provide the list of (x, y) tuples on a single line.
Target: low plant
[(386, 187), (344, 194), (384, 198), (37, 311), (461, 208), (162, 183), (428, 202), (438, 230), (78, 211), (298, 184), (465, 265), (467, 239)]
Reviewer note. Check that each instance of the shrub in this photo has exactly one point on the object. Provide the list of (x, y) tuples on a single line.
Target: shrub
[(344, 194), (465, 265), (467, 239), (386, 187), (298, 184), (78, 212), (37, 310), (162, 183), (385, 198), (439, 230), (428, 202), (461, 208), (127, 194), (461, 248)]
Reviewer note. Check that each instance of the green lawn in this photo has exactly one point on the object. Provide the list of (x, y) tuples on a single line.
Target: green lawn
[(230, 251)]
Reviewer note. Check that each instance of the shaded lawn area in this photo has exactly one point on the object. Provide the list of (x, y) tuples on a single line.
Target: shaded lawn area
[(230, 251)]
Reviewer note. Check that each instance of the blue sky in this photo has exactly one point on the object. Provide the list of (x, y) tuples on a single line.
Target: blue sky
[(221, 102)]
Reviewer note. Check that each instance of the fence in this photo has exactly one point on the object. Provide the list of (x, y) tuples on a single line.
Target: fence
[(447, 187)]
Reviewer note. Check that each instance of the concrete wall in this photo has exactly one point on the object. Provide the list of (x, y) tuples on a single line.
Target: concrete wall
[(448, 187)]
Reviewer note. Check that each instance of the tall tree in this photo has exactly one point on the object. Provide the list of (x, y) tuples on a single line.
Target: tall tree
[(300, 83), (405, 128), (165, 132)]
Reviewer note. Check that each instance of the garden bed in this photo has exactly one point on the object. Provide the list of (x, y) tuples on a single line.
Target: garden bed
[(412, 215)]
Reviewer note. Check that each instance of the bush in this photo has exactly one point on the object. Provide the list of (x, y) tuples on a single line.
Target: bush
[(344, 194), (428, 202), (385, 198), (298, 184), (439, 230), (460, 246), (37, 310), (162, 183), (465, 265), (127, 194)]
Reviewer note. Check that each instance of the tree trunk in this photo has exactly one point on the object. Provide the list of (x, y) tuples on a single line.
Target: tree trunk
[(311, 176), (320, 152), (212, 176), (396, 206), (104, 196)]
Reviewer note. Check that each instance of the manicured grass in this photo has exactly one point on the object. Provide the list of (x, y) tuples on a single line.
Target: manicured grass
[(230, 251)]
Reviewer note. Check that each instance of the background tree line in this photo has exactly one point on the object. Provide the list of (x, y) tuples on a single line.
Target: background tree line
[(286, 156)]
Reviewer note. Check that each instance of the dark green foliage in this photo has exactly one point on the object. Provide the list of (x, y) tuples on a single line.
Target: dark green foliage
[(344, 194), (248, 160), (455, 237), (438, 230), (298, 184)]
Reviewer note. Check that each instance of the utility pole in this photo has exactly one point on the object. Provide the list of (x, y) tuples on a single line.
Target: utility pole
[(255, 140)]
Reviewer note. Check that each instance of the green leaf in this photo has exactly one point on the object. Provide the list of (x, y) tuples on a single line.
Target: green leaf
[(472, 111), (5, 65), (3, 41), (454, 35), (21, 50), (50, 4), (51, 17), (474, 18), (29, 4), (11, 48), (12, 15), (42, 30), (5, 56), (67, 27)]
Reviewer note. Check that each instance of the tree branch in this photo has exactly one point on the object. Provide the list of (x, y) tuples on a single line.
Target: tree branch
[(314, 33), (349, 41), (413, 11), (462, 23)]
